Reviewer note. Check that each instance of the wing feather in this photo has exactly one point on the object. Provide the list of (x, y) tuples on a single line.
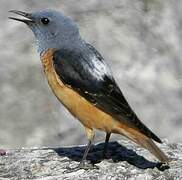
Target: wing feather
[(87, 73)]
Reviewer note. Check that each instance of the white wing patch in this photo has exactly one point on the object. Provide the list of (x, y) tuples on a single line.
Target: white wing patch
[(100, 69)]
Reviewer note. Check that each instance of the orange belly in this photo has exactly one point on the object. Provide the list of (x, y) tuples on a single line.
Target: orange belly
[(89, 115)]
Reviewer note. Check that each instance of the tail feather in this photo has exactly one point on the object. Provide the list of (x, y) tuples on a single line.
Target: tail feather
[(153, 148), (146, 142)]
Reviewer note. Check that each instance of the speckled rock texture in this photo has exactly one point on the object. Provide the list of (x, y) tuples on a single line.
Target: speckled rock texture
[(126, 161)]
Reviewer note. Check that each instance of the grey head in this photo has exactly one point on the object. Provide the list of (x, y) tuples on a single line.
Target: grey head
[(52, 29)]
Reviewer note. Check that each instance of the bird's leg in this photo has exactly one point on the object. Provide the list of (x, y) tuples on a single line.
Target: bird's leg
[(106, 145), (84, 164)]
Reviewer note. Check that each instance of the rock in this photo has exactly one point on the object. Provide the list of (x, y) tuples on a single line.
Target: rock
[(2, 152), (130, 163)]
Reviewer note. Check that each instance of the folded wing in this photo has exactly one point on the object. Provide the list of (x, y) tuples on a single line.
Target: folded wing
[(87, 73)]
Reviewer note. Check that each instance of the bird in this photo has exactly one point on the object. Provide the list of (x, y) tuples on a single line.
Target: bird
[(83, 82)]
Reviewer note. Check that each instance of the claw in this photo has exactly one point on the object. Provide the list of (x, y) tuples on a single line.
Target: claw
[(86, 165)]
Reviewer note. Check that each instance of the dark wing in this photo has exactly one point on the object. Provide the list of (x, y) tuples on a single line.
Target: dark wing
[(86, 72)]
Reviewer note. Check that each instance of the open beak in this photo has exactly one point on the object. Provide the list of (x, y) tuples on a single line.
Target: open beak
[(28, 16)]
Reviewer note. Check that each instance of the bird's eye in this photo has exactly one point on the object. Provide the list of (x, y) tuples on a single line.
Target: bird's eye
[(45, 21)]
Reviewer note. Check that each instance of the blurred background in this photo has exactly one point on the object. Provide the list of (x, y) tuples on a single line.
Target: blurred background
[(140, 39)]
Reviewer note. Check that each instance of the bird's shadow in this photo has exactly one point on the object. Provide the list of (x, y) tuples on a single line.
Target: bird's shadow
[(116, 153)]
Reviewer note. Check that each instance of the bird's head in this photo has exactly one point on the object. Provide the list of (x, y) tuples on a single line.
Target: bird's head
[(51, 28)]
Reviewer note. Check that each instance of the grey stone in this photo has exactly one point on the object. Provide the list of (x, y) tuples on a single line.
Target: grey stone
[(125, 161), (140, 39)]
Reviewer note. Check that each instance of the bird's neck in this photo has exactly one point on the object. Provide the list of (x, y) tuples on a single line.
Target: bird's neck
[(59, 43)]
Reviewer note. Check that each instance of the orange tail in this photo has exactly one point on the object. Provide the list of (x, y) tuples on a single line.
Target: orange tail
[(145, 142), (153, 148)]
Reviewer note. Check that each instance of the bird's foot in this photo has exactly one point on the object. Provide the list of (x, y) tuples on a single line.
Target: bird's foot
[(2, 152), (86, 165)]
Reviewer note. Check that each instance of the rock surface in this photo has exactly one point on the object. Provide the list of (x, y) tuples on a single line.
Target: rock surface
[(122, 163)]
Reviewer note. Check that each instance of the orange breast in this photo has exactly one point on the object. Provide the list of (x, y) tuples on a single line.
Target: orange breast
[(89, 115)]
